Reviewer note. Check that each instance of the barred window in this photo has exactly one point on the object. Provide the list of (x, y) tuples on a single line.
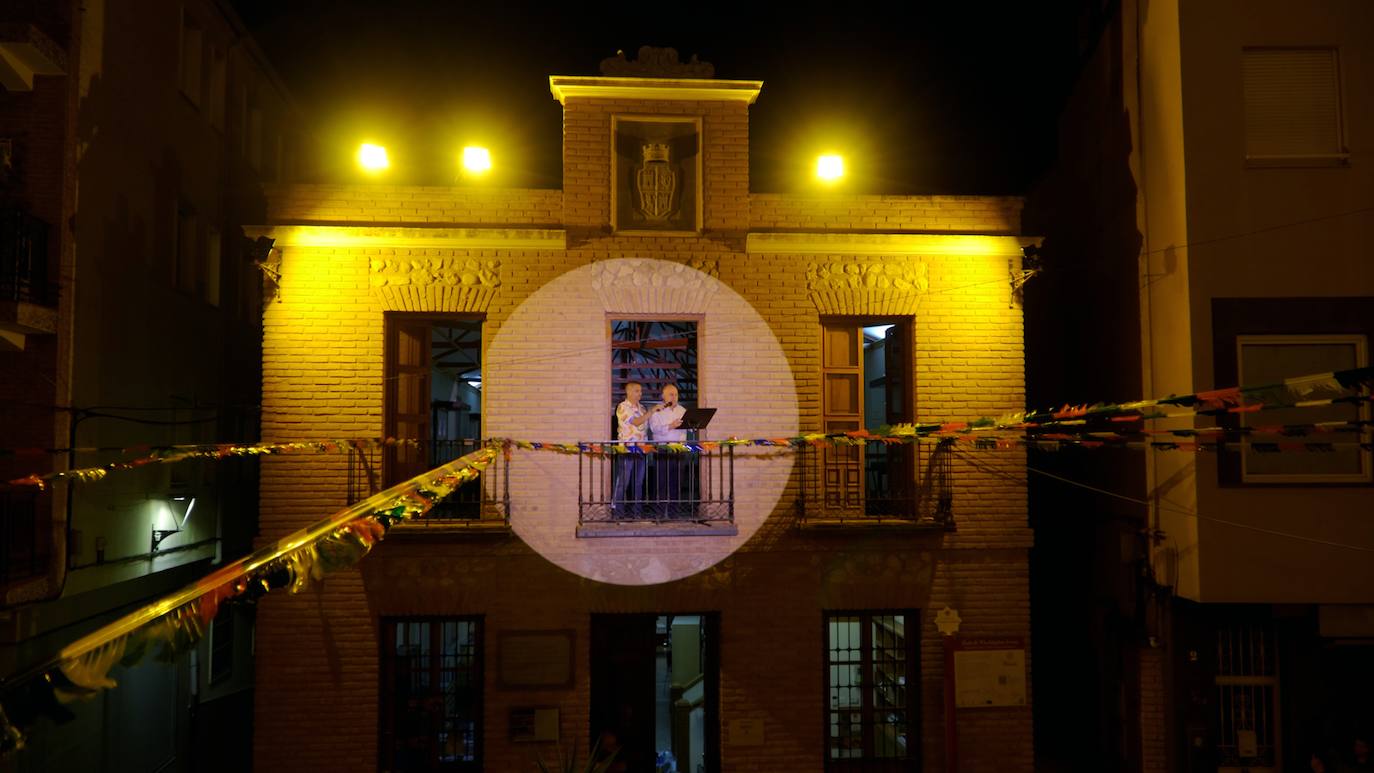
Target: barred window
[(871, 674), (431, 718)]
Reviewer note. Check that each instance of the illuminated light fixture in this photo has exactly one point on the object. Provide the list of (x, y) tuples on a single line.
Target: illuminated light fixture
[(830, 167), (373, 157), (161, 534), (476, 160), (475, 384)]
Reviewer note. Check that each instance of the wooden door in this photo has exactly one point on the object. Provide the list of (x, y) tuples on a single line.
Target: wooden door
[(408, 399), (842, 410), (623, 649)]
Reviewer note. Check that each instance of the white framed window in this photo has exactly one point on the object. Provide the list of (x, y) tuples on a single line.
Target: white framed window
[(209, 286), (186, 261), (192, 58), (255, 138), (1267, 359), (219, 65), (1293, 107)]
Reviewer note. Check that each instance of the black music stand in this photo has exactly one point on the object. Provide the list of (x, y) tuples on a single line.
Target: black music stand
[(695, 419)]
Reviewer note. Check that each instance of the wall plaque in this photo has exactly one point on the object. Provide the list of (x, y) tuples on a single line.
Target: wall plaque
[(656, 169), (989, 672), (527, 659)]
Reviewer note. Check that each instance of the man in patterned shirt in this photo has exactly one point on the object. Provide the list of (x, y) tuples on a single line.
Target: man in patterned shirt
[(632, 426)]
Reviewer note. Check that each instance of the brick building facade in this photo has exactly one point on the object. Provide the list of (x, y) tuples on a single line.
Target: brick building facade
[(543, 279)]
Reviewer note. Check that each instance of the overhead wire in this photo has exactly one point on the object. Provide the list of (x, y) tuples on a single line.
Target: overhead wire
[(1163, 506)]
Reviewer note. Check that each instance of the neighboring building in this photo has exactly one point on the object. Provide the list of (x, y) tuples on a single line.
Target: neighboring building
[(133, 141), (776, 614), (1211, 215)]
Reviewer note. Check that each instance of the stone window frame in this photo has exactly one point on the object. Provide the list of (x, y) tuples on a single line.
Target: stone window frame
[(699, 123)]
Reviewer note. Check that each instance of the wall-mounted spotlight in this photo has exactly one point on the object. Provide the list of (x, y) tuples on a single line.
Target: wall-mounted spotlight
[(261, 252), (476, 160), (830, 167), (373, 158), (161, 534)]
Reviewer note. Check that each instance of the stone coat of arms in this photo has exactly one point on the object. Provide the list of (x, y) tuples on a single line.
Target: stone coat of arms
[(656, 183)]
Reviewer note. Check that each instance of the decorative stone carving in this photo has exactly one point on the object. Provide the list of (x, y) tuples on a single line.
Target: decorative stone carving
[(636, 285), (449, 271), (656, 63), (451, 283), (867, 287)]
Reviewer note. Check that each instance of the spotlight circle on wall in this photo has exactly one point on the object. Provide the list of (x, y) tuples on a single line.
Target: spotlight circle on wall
[(547, 376)]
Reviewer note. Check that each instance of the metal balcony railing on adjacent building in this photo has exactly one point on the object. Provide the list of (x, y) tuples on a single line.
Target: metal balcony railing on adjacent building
[(24, 259), (481, 503), (876, 484), (23, 538), (655, 493)]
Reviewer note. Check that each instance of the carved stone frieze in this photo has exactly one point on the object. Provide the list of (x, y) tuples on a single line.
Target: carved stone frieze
[(866, 286), (448, 271), (449, 283), (656, 63), (636, 285)]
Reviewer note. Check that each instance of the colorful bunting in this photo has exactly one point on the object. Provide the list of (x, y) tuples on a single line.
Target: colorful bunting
[(181, 453), (176, 622)]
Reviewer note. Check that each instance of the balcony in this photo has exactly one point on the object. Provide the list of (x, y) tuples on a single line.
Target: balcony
[(655, 494), (481, 505), (28, 300), (876, 485)]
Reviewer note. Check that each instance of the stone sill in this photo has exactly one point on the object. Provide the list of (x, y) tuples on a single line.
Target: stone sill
[(652, 529), (475, 528)]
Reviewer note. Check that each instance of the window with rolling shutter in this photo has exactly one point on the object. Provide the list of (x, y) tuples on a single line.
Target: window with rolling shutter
[(1292, 105)]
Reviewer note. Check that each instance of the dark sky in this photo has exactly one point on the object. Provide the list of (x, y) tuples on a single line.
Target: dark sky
[(921, 98)]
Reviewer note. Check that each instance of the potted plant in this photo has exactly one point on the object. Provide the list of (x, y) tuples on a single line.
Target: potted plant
[(570, 763)]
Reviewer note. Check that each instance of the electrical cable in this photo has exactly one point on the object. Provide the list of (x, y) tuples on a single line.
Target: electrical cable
[(1145, 503)]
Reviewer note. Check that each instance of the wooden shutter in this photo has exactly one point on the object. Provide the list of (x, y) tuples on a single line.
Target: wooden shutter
[(1292, 103), (842, 410), (408, 401)]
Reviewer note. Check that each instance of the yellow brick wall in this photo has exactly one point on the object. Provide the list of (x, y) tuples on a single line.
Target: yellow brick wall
[(413, 205), (317, 696), (587, 160), (850, 212)]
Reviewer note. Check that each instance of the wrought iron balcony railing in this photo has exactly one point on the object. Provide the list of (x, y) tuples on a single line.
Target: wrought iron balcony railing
[(655, 492), (24, 259), (876, 484), (480, 503)]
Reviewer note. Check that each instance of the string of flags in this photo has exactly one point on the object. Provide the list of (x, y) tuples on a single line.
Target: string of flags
[(1099, 425), (176, 622), (179, 620), (974, 433), (181, 453)]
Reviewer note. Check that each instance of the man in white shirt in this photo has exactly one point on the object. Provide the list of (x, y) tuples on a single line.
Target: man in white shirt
[(632, 425), (671, 467)]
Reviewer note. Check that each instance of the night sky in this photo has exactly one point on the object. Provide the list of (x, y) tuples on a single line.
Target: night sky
[(920, 98)]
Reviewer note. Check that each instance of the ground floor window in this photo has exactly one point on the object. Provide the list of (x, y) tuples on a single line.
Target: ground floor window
[(431, 713), (1247, 698), (872, 671)]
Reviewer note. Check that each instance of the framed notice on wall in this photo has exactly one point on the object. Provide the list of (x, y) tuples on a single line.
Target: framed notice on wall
[(534, 659), (989, 672), (656, 174)]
